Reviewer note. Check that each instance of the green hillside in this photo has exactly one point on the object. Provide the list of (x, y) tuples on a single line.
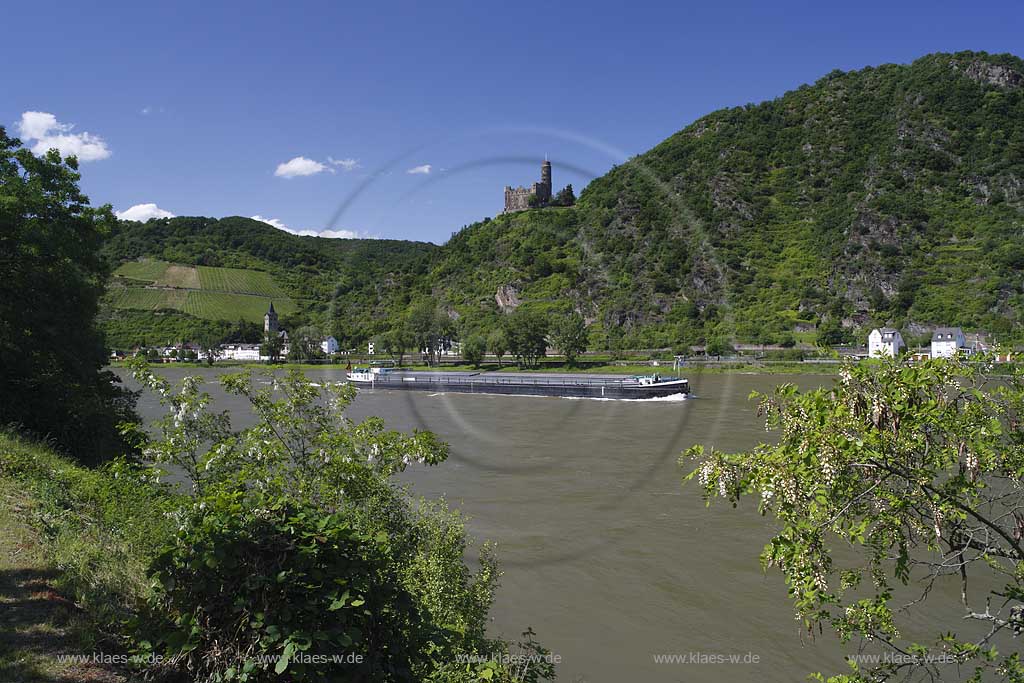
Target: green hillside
[(201, 291), (200, 303), (233, 267), (893, 194), (150, 301)]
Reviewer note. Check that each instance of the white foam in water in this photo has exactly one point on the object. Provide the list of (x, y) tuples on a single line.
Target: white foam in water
[(674, 398)]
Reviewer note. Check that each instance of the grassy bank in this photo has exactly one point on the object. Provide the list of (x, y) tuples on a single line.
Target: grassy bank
[(37, 623), (74, 545)]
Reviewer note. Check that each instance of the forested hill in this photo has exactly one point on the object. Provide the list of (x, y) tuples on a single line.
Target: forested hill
[(891, 194), (363, 282)]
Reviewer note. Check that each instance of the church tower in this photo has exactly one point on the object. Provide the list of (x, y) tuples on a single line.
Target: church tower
[(270, 322)]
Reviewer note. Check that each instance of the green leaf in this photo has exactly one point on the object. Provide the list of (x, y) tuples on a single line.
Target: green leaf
[(286, 656)]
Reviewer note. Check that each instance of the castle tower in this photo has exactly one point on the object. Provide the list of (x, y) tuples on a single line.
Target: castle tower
[(545, 182), (270, 326)]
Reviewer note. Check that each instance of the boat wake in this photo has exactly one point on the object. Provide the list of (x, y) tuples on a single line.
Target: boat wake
[(674, 398)]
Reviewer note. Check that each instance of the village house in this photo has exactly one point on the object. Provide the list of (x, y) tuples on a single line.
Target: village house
[(980, 345), (242, 352), (948, 341), (329, 346), (885, 342)]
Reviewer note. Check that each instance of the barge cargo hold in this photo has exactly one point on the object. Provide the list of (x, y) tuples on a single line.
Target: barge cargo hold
[(522, 384)]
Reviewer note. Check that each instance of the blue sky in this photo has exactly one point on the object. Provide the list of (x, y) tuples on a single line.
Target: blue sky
[(215, 109)]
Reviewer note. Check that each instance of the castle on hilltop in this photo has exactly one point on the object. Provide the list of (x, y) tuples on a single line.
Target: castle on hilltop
[(538, 194)]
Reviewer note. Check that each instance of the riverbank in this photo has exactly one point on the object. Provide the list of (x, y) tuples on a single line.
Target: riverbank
[(617, 368)]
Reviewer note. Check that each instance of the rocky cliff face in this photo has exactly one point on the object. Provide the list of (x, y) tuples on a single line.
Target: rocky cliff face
[(998, 75), (507, 298)]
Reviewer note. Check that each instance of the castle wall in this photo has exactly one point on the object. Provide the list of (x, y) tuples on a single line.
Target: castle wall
[(518, 198)]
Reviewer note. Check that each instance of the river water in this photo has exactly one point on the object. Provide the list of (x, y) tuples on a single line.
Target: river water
[(606, 554)]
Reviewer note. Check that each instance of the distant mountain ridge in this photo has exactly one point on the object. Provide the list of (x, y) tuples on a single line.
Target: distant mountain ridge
[(893, 194)]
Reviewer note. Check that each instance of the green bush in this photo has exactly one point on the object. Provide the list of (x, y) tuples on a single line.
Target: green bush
[(255, 587)]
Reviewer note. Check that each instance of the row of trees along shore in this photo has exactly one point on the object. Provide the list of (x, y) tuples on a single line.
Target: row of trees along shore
[(523, 334), (290, 540)]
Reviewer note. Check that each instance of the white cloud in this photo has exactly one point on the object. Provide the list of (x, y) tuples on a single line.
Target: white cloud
[(345, 164), (334, 234), (299, 166), (49, 133), (143, 213), (420, 170), (302, 166), (337, 234), (271, 221)]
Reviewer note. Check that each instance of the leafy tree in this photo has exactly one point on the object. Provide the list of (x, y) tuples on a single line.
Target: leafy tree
[(614, 340), (53, 384), (428, 327), (565, 197), (899, 474), (569, 335), (718, 346), (244, 332), (304, 344), (497, 344), (831, 333), (473, 350), (272, 347), (210, 345), (396, 341), (526, 332)]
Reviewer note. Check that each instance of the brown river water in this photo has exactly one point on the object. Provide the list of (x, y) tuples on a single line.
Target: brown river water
[(605, 553)]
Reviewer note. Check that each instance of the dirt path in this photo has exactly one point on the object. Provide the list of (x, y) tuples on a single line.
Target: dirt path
[(37, 624)]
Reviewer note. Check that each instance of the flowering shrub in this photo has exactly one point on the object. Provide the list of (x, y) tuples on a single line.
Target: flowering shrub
[(919, 467)]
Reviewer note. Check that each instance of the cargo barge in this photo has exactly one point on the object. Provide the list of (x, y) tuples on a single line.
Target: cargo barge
[(522, 384)]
